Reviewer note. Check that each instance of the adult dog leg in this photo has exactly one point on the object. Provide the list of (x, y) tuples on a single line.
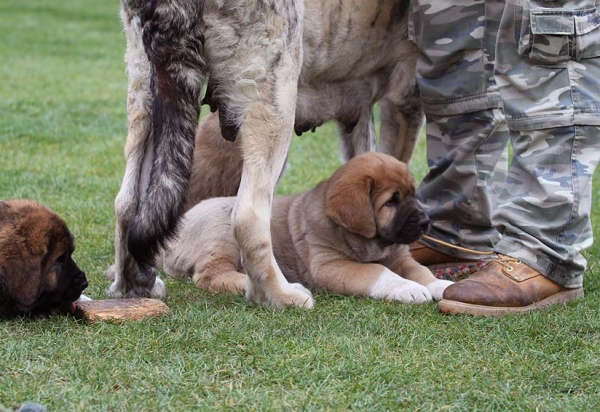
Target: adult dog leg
[(264, 147), (255, 64), (360, 139), (402, 117), (138, 152), (266, 134), (172, 40)]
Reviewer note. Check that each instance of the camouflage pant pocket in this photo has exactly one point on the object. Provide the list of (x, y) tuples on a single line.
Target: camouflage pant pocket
[(559, 35), (587, 30)]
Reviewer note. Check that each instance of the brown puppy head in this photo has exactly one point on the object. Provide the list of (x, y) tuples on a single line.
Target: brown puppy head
[(373, 195), (37, 273)]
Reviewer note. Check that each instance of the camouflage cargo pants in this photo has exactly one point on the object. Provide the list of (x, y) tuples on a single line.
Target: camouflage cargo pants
[(522, 71)]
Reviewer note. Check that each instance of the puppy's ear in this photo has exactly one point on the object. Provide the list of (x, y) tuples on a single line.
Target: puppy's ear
[(21, 282), (349, 204)]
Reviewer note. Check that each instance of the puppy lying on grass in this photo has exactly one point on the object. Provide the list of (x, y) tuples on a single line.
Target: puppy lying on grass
[(38, 275), (349, 235)]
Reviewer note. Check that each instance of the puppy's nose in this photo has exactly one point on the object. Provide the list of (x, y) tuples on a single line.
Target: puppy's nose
[(83, 283)]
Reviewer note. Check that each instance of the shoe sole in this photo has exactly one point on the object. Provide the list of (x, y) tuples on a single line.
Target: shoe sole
[(459, 308)]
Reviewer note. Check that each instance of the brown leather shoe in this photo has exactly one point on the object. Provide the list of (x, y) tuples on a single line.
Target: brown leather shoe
[(504, 286)]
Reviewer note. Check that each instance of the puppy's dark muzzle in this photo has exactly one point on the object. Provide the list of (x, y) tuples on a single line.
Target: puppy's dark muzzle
[(77, 286), (410, 223), (83, 284)]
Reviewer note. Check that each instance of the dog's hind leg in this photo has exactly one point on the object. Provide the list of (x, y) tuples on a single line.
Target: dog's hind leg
[(360, 139), (219, 280), (256, 56), (138, 152), (163, 115), (402, 117)]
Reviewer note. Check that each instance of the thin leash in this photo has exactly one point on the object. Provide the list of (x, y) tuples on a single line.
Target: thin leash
[(462, 249)]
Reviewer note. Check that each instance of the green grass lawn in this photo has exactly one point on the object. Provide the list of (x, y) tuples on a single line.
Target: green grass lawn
[(62, 132)]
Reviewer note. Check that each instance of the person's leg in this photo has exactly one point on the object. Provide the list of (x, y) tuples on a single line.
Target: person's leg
[(546, 219), (548, 71), (466, 133)]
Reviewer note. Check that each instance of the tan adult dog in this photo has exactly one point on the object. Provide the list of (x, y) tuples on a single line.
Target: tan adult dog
[(270, 67), (37, 273), (349, 235)]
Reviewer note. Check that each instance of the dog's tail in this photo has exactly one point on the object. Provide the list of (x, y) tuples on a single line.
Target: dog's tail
[(173, 41)]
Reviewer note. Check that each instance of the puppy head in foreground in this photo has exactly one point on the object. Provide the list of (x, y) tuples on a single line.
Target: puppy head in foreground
[(373, 195), (37, 273)]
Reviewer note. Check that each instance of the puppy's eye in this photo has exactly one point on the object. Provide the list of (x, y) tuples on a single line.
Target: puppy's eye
[(394, 200)]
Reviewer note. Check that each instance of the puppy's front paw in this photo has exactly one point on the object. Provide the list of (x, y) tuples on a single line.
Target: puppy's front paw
[(409, 293), (438, 287), (390, 286)]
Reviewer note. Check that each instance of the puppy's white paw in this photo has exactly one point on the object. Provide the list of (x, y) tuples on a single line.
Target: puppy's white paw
[(390, 286), (438, 287), (83, 298), (409, 293)]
